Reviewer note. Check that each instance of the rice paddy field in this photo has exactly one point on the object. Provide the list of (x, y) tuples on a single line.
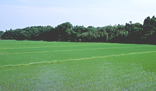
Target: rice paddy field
[(67, 66)]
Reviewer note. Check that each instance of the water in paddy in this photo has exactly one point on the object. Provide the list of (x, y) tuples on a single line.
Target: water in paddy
[(77, 75)]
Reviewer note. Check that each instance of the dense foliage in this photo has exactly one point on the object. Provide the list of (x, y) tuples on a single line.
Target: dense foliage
[(128, 33), (1, 33)]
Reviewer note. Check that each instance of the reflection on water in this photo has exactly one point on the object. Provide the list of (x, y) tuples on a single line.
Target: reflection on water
[(77, 75)]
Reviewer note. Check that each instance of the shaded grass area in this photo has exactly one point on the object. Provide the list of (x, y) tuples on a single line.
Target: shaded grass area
[(81, 67)]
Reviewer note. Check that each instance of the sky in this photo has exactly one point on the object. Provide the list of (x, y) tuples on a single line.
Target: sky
[(23, 13)]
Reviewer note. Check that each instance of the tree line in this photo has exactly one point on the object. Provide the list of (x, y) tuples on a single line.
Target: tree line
[(1, 33), (128, 33)]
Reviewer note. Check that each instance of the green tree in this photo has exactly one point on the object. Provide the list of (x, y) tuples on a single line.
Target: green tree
[(80, 29), (9, 34), (1, 33), (71, 35), (24, 35), (149, 29), (135, 31), (49, 34), (61, 31)]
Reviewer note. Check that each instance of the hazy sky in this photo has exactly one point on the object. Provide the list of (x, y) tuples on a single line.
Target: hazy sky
[(22, 13)]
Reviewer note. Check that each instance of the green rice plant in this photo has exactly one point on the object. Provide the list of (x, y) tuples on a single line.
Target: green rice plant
[(63, 66)]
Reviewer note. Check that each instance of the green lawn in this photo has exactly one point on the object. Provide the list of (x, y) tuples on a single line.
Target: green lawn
[(63, 66)]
